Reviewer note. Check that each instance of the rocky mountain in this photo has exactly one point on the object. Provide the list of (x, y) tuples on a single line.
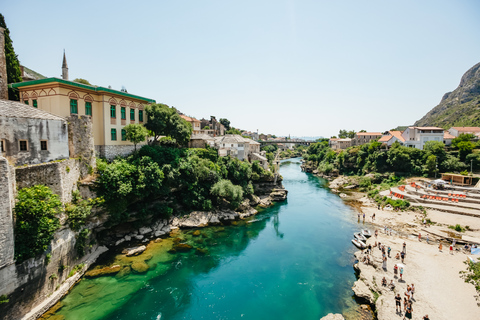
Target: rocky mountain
[(459, 108)]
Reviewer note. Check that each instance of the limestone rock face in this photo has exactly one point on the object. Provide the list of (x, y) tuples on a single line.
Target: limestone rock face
[(134, 251), (194, 219), (145, 230), (333, 316), (361, 290), (279, 195)]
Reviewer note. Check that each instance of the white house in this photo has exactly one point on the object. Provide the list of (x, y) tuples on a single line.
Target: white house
[(415, 137), (456, 131), (236, 146)]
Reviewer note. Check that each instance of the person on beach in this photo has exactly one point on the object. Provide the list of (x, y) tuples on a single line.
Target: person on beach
[(384, 264), (398, 303), (419, 236), (392, 286), (408, 312), (440, 247), (376, 233), (373, 216), (364, 216), (389, 250), (405, 302), (412, 289), (401, 273), (404, 250), (395, 270), (384, 282), (451, 249), (402, 255), (428, 239), (425, 317), (397, 256)]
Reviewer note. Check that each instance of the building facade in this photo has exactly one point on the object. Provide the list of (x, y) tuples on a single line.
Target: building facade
[(416, 137), (194, 122), (110, 110), (457, 131), (390, 137), (31, 136), (365, 137)]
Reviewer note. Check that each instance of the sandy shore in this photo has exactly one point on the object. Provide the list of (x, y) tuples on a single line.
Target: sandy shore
[(440, 292)]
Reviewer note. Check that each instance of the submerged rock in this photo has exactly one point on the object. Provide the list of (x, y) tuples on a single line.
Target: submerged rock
[(180, 247), (196, 233), (140, 266), (103, 271), (134, 251), (201, 251), (332, 316), (126, 270)]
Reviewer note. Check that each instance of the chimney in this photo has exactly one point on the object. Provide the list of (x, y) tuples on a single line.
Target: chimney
[(3, 67)]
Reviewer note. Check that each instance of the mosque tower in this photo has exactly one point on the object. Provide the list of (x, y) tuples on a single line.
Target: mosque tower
[(64, 67)]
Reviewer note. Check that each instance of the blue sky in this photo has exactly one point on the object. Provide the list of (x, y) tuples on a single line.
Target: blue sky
[(305, 68)]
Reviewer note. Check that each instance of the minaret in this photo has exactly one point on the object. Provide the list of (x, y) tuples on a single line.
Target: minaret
[(64, 67)]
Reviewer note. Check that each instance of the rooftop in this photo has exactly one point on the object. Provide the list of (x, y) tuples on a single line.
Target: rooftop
[(79, 85), (15, 109), (466, 129), (426, 128), (369, 133), (189, 119), (447, 135)]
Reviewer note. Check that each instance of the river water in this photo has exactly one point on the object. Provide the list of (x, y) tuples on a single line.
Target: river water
[(291, 261)]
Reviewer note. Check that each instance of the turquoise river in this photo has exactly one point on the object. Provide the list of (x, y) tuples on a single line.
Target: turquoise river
[(293, 260)]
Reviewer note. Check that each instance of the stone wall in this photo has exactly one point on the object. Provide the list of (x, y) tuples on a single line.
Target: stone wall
[(61, 177), (80, 142), (7, 201), (110, 152)]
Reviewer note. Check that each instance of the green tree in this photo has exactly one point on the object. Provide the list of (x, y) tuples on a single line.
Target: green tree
[(165, 121), (36, 221), (225, 122), (233, 130), (206, 128), (227, 190), (430, 164), (136, 133), (464, 144), (14, 74), (82, 81)]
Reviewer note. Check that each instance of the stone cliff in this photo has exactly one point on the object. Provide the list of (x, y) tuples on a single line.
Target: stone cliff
[(460, 107)]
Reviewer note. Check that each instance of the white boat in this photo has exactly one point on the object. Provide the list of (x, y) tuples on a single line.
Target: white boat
[(366, 233), (359, 236), (359, 244)]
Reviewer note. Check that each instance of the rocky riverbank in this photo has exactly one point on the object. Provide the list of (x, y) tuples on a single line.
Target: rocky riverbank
[(440, 291)]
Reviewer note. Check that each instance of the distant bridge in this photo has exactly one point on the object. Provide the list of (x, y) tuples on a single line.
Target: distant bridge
[(303, 143)]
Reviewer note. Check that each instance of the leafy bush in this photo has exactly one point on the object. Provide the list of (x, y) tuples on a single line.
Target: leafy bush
[(472, 275), (36, 222), (227, 190), (81, 242)]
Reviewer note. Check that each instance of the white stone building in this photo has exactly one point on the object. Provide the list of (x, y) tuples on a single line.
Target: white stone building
[(390, 137), (31, 136), (415, 137)]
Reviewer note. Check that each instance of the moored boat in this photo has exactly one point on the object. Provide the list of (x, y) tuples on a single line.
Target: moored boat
[(359, 236), (366, 233), (359, 244)]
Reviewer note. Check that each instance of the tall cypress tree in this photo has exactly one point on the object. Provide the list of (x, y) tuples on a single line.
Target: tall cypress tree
[(14, 74)]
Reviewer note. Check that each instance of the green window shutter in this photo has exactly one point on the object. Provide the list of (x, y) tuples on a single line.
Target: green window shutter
[(25, 101), (113, 112), (124, 135), (88, 108), (132, 114), (140, 115), (35, 103), (113, 133), (73, 106), (123, 113)]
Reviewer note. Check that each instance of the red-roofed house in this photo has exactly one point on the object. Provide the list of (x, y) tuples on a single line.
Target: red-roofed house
[(390, 137), (456, 131), (194, 122), (447, 138)]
